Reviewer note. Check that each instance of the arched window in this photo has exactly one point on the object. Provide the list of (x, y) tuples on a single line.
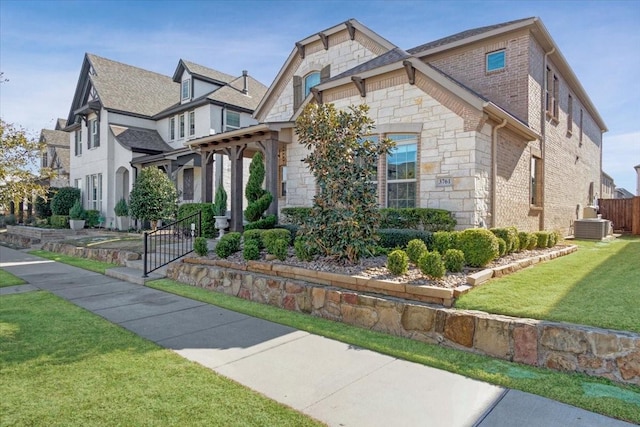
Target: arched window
[(311, 80)]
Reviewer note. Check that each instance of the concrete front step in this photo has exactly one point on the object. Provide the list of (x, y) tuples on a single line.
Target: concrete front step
[(132, 275)]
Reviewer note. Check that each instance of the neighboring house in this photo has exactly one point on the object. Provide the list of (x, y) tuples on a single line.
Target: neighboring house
[(491, 123), (637, 168), (56, 154), (608, 187), (123, 118), (623, 193)]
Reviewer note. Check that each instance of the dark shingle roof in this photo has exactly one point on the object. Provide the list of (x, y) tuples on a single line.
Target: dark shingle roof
[(394, 55), (131, 89), (54, 137), (61, 124), (462, 35), (140, 140), (232, 93), (209, 73)]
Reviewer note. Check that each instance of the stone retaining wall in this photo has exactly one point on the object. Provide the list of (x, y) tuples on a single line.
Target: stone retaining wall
[(114, 256), (18, 240), (598, 352)]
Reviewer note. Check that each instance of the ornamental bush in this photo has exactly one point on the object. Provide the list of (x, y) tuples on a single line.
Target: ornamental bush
[(270, 237), (262, 224), (59, 221), (208, 222), (502, 247), (427, 219), (258, 199), (415, 249), (200, 246), (523, 240), (397, 238), (255, 236), (280, 248), (454, 260), (532, 241), (77, 211), (228, 244), (398, 262), (295, 215), (64, 199), (442, 241), (303, 251), (542, 239), (510, 237), (480, 246), (431, 265), (153, 196), (43, 206), (251, 250)]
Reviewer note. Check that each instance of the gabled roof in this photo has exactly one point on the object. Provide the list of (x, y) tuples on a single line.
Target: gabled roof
[(60, 124), (202, 72), (140, 140), (394, 55), (54, 137), (233, 94)]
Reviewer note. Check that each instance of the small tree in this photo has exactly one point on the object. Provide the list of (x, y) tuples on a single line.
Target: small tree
[(258, 199), (345, 214), (220, 203), (64, 200), (153, 196)]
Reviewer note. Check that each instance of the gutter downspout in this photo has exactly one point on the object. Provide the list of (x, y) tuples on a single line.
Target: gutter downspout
[(494, 170), (543, 140)]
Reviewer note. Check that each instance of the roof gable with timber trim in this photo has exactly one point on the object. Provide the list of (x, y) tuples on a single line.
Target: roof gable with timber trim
[(243, 136), (539, 32), (201, 72), (355, 30)]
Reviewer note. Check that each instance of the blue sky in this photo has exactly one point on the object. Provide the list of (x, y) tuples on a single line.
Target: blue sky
[(42, 46)]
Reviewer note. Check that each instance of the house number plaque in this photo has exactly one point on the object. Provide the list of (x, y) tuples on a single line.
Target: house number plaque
[(446, 181)]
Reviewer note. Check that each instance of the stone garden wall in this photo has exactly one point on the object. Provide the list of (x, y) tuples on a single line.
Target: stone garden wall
[(598, 352), (114, 256)]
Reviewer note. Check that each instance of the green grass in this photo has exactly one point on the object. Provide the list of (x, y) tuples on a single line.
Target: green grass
[(594, 394), (8, 279), (63, 366), (599, 285), (87, 264)]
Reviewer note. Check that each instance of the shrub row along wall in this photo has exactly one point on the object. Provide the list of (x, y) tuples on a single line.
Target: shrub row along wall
[(114, 256), (597, 352)]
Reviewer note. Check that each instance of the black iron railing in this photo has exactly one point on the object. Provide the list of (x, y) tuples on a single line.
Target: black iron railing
[(170, 242)]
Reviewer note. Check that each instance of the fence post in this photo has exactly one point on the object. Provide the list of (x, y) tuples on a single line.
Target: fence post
[(145, 256)]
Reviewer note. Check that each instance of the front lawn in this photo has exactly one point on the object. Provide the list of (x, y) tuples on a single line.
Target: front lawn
[(87, 264), (63, 366), (8, 279), (598, 285)]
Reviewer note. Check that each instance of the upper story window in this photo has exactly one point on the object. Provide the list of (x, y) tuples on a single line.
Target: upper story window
[(181, 125), (186, 89), (553, 87), (232, 120), (310, 81), (495, 60), (570, 114), (402, 164), (172, 128), (192, 123), (535, 189), (45, 159), (94, 133), (78, 142)]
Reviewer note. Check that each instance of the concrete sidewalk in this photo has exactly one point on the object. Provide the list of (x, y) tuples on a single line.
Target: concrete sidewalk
[(333, 382)]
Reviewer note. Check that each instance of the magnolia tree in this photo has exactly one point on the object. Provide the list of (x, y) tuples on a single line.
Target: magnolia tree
[(153, 196), (343, 162)]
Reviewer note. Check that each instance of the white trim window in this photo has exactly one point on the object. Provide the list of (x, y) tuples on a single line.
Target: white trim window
[(94, 191), (495, 61), (192, 123), (232, 120), (186, 89), (311, 80), (402, 168), (78, 142), (535, 189), (94, 133), (181, 126), (172, 129)]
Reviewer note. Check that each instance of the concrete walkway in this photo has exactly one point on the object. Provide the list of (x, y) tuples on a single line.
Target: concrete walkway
[(333, 382)]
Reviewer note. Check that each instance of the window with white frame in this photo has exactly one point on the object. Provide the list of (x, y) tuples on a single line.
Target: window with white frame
[(535, 190), (569, 114), (495, 60), (232, 120), (181, 125), (310, 81), (553, 87), (94, 133), (192, 123), (402, 164), (186, 89), (78, 142), (172, 128), (94, 191)]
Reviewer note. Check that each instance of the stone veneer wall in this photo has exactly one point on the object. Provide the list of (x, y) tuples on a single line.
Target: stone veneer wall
[(598, 352), (114, 256)]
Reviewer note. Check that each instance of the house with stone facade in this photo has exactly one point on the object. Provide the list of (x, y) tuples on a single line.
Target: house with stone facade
[(490, 123), (55, 154), (124, 118)]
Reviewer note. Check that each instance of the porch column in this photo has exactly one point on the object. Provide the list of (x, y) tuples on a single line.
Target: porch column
[(235, 155), (206, 177), (270, 147)]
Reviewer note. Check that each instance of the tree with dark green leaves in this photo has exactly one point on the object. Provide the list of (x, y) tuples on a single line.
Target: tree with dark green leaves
[(343, 161), (153, 196)]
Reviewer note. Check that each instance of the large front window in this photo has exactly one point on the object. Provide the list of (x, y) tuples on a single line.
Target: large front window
[(94, 191), (310, 81), (402, 171), (233, 120)]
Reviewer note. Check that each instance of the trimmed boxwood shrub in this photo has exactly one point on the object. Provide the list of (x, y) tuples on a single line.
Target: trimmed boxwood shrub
[(502, 247), (64, 199), (523, 239), (454, 260), (415, 249), (262, 224), (60, 221), (480, 246), (42, 206), (280, 248), (303, 250), (398, 238), (293, 229), (427, 219), (542, 239), (510, 237), (208, 221), (270, 237), (93, 218), (398, 262), (431, 265), (255, 236), (200, 246), (251, 250), (443, 240), (228, 244), (296, 216)]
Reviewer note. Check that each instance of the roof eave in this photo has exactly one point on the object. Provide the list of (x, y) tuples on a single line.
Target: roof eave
[(514, 123)]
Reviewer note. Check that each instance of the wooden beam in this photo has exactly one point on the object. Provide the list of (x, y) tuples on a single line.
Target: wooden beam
[(325, 40), (317, 95), (411, 71), (360, 84), (300, 47), (351, 29)]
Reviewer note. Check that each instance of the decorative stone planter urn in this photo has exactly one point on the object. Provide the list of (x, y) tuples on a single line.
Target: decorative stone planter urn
[(122, 222), (221, 224), (76, 224)]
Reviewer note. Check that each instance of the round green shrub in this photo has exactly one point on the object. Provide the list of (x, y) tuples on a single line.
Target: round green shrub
[(64, 199), (480, 246), (442, 240), (415, 249), (77, 211), (454, 260), (200, 246), (281, 248), (431, 264), (303, 250), (523, 239), (251, 250), (532, 241), (270, 237), (510, 237), (228, 244), (255, 236), (398, 262), (542, 239), (502, 247)]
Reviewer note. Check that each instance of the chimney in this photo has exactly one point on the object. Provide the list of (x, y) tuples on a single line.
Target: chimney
[(245, 89)]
